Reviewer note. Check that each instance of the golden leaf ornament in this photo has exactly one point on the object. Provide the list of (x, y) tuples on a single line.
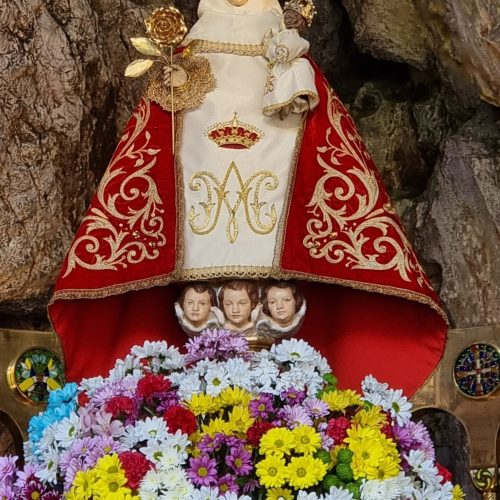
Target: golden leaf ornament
[(138, 67), (145, 46), (166, 26)]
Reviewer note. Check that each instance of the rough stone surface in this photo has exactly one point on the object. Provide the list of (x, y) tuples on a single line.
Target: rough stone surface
[(388, 129), (462, 37), (390, 29), (457, 222)]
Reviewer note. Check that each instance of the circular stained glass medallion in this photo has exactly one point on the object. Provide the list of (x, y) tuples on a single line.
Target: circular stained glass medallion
[(477, 370), (37, 372)]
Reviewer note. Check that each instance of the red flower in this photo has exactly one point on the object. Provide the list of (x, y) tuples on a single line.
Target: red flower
[(120, 407), (83, 399), (337, 429), (180, 418), (135, 465), (387, 430), (152, 384), (444, 473), (256, 431)]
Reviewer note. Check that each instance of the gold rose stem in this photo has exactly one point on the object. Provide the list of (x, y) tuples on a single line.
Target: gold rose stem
[(172, 98)]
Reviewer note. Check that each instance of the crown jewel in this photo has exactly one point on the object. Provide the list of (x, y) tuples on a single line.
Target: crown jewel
[(305, 8), (234, 134)]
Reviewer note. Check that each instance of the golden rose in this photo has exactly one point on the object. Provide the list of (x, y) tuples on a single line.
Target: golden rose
[(166, 26)]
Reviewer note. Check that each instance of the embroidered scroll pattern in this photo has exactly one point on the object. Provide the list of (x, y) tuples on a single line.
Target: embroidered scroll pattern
[(125, 225), (348, 227), (218, 196)]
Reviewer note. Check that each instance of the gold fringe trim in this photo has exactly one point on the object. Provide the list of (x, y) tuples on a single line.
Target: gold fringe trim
[(239, 49), (210, 273), (272, 109), (283, 223), (108, 291)]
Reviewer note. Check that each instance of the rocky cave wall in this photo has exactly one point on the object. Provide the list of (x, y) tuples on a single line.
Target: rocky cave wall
[(421, 78)]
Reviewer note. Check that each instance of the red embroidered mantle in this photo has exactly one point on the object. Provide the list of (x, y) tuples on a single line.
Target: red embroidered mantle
[(371, 308)]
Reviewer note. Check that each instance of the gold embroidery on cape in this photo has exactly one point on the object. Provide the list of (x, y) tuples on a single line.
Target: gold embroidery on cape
[(239, 49), (126, 226), (356, 213), (218, 196)]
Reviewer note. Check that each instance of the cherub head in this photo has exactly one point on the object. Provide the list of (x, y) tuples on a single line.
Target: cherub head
[(196, 301), (237, 299), (281, 300)]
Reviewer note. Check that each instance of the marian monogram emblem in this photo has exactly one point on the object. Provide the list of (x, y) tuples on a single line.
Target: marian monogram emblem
[(222, 199)]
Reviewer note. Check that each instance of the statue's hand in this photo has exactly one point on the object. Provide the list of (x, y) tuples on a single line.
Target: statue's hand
[(174, 75)]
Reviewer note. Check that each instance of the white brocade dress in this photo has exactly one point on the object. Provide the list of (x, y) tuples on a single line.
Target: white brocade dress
[(234, 199)]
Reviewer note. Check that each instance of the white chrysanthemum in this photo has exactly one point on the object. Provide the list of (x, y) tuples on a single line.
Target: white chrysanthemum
[(389, 489), (178, 440), (423, 467), (129, 438), (204, 493), (239, 373), (374, 392), (48, 441), (265, 373), (201, 367), (233, 496), (89, 385), (312, 379), (164, 457), (171, 484), (398, 406), (294, 350), (151, 428), (322, 365), (173, 359), (150, 349), (66, 430), (188, 383), (430, 493), (295, 378), (338, 494), (217, 379), (131, 365), (48, 473), (333, 494)]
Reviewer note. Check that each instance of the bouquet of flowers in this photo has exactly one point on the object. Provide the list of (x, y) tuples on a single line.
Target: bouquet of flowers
[(220, 422)]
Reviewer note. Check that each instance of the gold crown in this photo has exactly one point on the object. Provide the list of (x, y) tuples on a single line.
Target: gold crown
[(234, 134), (305, 8)]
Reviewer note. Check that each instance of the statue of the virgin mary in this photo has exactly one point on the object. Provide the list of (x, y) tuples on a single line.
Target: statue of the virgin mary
[(268, 178)]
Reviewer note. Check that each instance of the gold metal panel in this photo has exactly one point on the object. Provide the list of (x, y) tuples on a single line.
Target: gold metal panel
[(480, 417), (13, 344)]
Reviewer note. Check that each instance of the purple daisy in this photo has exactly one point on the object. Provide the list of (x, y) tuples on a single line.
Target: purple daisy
[(202, 471), (7, 469), (262, 406), (240, 461), (227, 484), (316, 408), (295, 416), (293, 396), (32, 489)]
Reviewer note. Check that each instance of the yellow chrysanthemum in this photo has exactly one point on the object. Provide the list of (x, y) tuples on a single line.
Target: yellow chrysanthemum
[(371, 417), (278, 441), (340, 400), (81, 487), (201, 404), (304, 472), (112, 488), (272, 471), (240, 419), (279, 494), (109, 467), (457, 493), (306, 439), (375, 456), (216, 425), (235, 396)]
